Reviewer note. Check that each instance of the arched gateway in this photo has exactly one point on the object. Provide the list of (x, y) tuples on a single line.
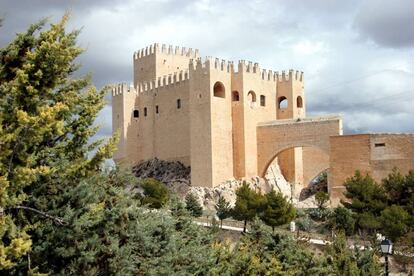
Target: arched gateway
[(276, 136)]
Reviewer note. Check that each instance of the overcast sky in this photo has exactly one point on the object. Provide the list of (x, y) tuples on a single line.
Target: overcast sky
[(358, 56)]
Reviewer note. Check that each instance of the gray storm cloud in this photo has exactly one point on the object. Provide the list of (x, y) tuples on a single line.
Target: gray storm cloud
[(370, 84)]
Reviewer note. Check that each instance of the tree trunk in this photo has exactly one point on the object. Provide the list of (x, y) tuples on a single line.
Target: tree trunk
[(273, 229), (221, 224), (245, 225)]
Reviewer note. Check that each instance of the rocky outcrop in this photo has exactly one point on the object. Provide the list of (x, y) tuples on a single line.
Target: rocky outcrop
[(178, 179)]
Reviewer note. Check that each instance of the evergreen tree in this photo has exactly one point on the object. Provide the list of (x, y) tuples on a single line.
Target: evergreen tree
[(248, 204), (342, 219), (156, 195), (46, 122), (278, 210), (395, 222), (400, 189), (223, 209), (321, 199), (193, 206), (367, 200)]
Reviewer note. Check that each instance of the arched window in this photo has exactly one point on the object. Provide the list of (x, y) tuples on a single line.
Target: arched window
[(262, 100), (299, 102), (219, 90), (235, 96), (251, 97), (282, 102), (136, 113), (145, 111)]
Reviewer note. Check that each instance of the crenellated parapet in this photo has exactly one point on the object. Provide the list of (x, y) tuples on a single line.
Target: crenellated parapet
[(122, 88), (210, 63), (156, 48), (291, 75), (164, 81)]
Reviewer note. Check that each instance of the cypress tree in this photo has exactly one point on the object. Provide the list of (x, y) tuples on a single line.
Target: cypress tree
[(223, 209)]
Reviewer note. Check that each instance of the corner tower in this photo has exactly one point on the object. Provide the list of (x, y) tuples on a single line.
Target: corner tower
[(155, 61)]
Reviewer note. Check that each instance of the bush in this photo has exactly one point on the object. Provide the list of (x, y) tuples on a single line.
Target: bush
[(193, 206), (304, 223), (319, 214), (342, 219)]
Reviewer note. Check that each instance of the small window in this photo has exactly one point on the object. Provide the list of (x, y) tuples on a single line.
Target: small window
[(262, 100), (282, 102), (178, 103), (379, 145), (136, 113), (235, 96), (145, 111), (219, 90), (299, 102), (156, 109), (251, 96)]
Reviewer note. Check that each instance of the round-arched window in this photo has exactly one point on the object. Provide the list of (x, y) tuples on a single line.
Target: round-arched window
[(299, 102), (219, 90), (282, 102)]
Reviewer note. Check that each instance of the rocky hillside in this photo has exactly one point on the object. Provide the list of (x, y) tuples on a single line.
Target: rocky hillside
[(177, 177)]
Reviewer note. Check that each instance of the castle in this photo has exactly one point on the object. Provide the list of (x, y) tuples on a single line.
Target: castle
[(233, 120)]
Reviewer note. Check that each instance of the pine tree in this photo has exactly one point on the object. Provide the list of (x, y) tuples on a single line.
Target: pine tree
[(278, 210), (223, 209), (367, 200), (156, 194), (46, 118), (193, 206), (248, 204)]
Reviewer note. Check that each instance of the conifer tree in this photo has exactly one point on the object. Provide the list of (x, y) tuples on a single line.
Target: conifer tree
[(193, 206), (248, 204), (278, 210), (46, 118), (223, 209), (156, 194)]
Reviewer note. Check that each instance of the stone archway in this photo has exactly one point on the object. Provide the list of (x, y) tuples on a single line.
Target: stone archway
[(277, 136)]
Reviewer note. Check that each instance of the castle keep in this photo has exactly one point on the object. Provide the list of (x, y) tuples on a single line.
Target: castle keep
[(224, 119)]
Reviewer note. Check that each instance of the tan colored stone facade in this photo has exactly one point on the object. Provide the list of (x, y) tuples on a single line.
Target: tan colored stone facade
[(232, 120), (375, 154), (202, 113)]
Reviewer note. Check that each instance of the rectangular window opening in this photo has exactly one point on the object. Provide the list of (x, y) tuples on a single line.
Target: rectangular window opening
[(377, 145), (262, 100), (156, 109), (178, 103)]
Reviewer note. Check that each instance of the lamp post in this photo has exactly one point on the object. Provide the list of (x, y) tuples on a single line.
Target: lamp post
[(386, 249)]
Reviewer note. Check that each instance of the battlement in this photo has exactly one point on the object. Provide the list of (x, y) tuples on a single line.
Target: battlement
[(121, 88), (166, 50), (291, 75), (164, 81), (211, 63)]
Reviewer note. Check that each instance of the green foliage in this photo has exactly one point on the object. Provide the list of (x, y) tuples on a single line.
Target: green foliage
[(368, 199), (395, 222), (278, 210), (319, 214), (400, 189), (321, 199), (46, 122), (223, 209), (304, 223), (345, 261), (193, 206), (156, 194), (342, 219), (249, 204)]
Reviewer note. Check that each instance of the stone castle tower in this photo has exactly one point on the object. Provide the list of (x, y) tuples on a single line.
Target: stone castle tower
[(204, 113)]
